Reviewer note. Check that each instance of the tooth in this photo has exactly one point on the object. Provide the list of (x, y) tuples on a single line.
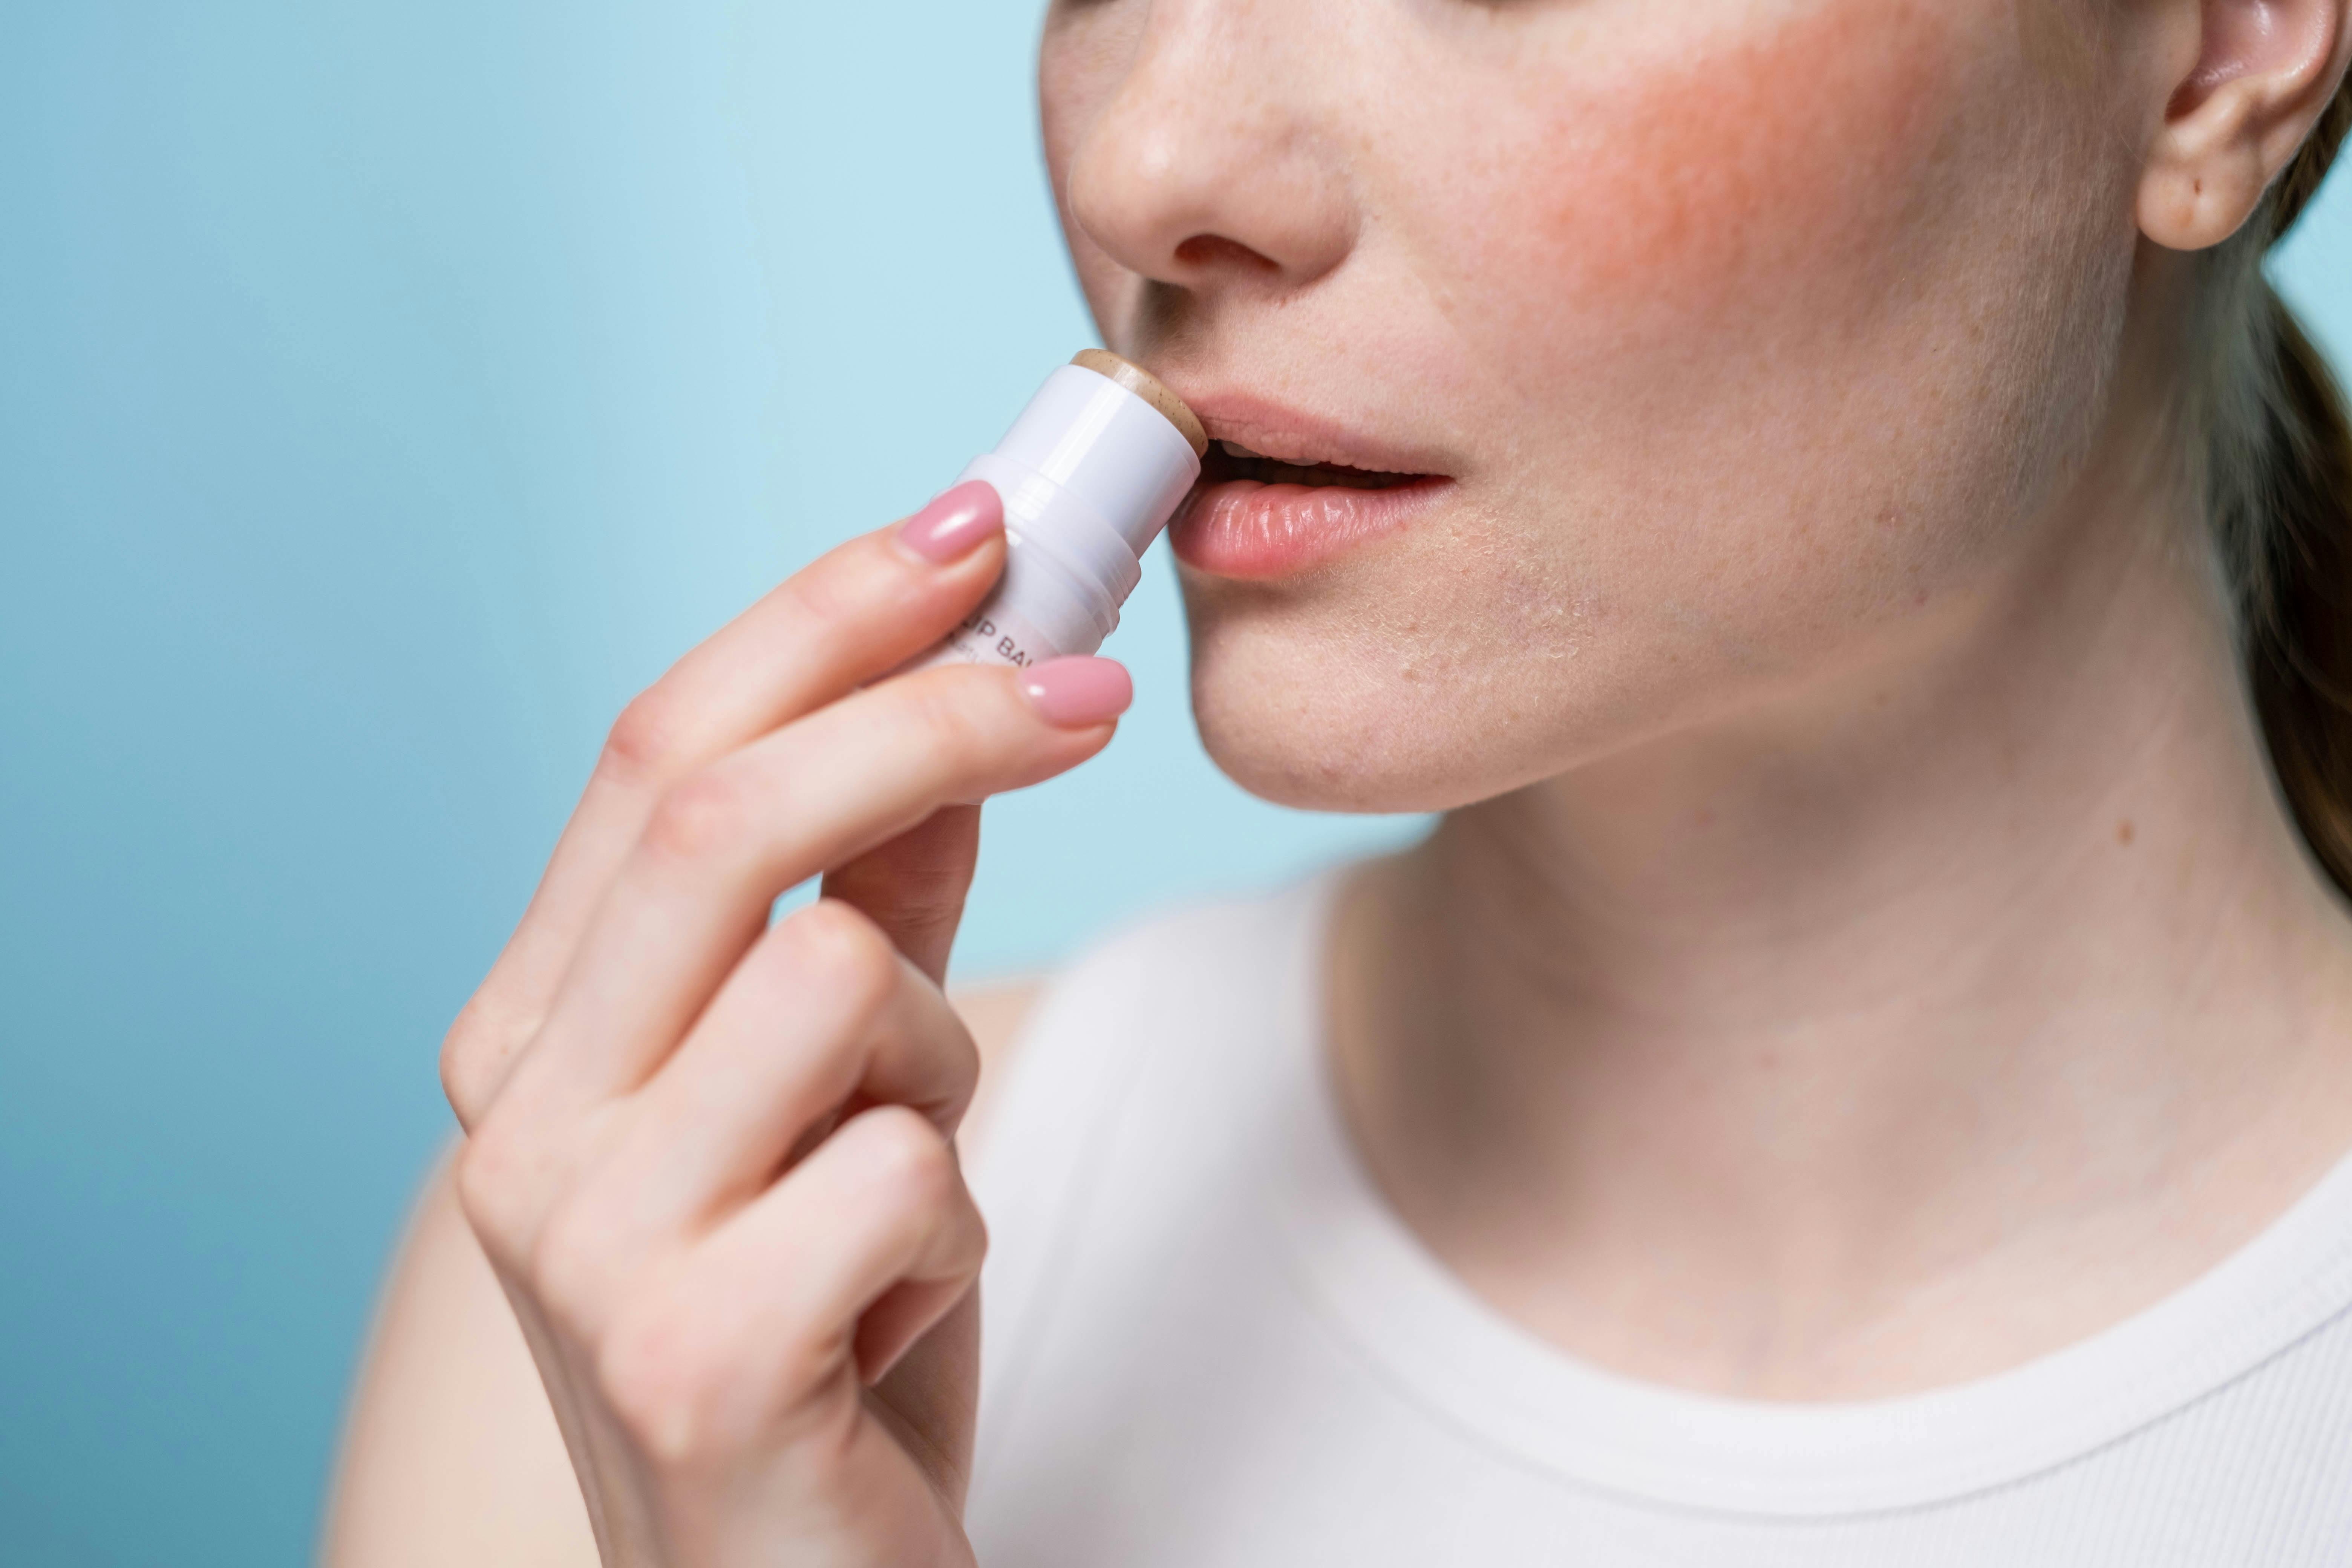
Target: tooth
[(1235, 450)]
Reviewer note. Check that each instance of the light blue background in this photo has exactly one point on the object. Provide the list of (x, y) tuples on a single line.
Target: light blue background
[(386, 392)]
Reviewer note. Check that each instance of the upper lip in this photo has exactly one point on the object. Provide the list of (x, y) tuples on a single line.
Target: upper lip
[(1290, 435)]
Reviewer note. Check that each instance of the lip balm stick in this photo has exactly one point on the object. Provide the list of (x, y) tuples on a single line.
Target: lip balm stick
[(1090, 474)]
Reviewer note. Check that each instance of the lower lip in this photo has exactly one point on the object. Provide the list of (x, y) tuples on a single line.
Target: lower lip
[(1244, 529)]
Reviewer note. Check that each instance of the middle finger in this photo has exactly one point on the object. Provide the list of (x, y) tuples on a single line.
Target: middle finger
[(822, 1016), (696, 891)]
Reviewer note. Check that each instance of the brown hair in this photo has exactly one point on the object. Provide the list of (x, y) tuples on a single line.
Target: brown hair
[(2278, 462)]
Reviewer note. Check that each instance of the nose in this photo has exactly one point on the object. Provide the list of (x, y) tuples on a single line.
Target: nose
[(1210, 164)]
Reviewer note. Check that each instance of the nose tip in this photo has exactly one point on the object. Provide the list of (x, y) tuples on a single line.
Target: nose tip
[(1194, 175)]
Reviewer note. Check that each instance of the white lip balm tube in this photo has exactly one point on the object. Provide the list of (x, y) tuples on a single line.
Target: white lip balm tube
[(1090, 474)]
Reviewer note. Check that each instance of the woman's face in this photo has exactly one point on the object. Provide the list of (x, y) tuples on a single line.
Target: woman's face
[(1753, 341)]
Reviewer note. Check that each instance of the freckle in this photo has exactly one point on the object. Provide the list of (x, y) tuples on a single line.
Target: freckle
[(2124, 832)]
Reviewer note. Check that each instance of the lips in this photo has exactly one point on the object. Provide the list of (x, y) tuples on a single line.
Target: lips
[(1281, 491), (1228, 460)]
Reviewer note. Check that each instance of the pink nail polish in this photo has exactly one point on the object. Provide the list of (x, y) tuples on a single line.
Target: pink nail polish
[(954, 523), (1079, 692)]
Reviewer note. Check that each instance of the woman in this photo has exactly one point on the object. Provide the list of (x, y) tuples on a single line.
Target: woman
[(1821, 496)]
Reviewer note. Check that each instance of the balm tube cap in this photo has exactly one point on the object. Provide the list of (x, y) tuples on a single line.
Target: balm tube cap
[(1089, 473)]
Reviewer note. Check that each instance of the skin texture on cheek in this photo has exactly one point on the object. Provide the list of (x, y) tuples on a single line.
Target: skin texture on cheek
[(2059, 39), (1766, 158)]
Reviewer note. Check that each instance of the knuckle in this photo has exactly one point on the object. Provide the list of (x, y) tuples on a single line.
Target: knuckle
[(642, 741), (573, 1272), (972, 1240), (472, 1053), (844, 952), (463, 1079), (699, 815), (963, 1054), (493, 1182), (908, 1158)]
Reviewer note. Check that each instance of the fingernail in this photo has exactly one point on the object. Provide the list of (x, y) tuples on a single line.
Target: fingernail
[(955, 523), (1077, 693)]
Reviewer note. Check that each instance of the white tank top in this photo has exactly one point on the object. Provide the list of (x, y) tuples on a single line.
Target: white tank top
[(1210, 1342)]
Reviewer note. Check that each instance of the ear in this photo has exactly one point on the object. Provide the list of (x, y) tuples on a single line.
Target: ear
[(2263, 72)]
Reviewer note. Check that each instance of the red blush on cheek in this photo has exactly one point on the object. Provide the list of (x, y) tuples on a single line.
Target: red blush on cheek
[(1745, 171)]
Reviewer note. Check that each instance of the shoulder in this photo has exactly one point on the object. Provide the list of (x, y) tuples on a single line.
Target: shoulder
[(450, 1450)]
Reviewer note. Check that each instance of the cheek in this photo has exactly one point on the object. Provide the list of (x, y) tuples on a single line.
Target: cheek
[(1759, 314), (1732, 172)]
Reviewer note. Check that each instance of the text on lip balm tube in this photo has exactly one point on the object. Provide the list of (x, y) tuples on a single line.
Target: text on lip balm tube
[(981, 629), (993, 634)]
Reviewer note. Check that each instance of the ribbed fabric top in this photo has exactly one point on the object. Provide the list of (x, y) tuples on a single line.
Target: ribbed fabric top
[(1210, 1341)]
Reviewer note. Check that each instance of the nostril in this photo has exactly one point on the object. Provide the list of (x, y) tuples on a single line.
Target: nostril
[(1207, 251)]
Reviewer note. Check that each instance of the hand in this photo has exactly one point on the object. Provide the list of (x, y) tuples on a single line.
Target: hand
[(709, 1158)]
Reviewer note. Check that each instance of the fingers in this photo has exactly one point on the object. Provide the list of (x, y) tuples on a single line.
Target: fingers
[(930, 1396), (822, 1012), (876, 1221), (823, 1016), (857, 612), (723, 845), (913, 885), (762, 1319)]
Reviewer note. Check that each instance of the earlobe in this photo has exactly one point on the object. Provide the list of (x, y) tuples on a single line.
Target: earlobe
[(2266, 70), (2206, 174)]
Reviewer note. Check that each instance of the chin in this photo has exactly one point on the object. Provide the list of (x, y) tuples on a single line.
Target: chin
[(1323, 712), (1284, 742)]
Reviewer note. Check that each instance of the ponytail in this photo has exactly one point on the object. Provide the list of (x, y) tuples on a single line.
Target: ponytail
[(2299, 639), (2279, 464)]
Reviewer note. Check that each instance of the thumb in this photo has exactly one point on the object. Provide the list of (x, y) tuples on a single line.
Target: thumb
[(913, 887), (931, 1399)]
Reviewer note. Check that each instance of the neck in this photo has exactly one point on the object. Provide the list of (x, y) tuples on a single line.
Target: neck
[(1894, 1032)]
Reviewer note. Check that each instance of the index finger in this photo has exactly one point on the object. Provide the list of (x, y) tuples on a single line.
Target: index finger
[(696, 891), (857, 612)]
